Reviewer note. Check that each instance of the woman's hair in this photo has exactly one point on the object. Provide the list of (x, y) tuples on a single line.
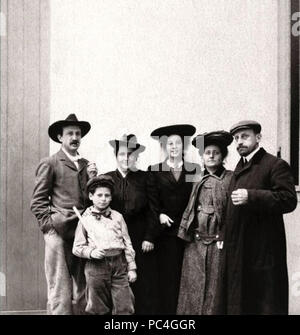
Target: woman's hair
[(117, 148), (164, 141)]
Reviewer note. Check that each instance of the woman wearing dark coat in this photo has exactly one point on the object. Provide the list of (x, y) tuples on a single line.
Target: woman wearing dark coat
[(131, 198), (173, 182), (201, 227)]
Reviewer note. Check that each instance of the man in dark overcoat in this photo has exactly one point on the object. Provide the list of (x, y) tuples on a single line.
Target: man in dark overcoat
[(60, 184), (262, 190)]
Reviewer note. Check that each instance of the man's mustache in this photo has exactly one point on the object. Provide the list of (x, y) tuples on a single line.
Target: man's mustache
[(74, 142)]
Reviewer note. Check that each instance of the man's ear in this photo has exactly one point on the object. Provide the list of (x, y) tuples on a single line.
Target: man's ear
[(59, 138), (258, 137), (90, 195)]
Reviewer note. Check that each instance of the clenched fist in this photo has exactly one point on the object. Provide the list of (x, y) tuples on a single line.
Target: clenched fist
[(147, 246), (97, 253), (132, 276), (92, 170), (239, 197)]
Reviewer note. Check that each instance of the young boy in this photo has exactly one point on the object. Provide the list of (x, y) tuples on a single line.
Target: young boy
[(103, 239)]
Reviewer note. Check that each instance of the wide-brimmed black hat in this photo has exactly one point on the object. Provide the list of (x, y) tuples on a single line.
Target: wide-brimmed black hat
[(176, 129), (128, 140), (219, 137), (101, 180), (71, 120), (246, 124)]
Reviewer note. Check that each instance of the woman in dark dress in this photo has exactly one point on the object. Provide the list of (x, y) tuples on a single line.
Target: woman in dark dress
[(201, 226), (173, 184), (131, 199)]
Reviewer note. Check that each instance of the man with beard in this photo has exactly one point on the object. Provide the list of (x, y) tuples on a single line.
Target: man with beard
[(262, 190), (61, 184)]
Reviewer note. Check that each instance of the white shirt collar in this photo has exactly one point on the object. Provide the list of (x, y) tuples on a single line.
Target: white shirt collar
[(122, 173), (252, 154), (172, 165), (74, 159)]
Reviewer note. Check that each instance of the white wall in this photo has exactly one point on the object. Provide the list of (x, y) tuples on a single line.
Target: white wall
[(131, 66)]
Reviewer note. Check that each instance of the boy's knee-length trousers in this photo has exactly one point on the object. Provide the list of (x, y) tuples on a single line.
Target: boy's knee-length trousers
[(107, 286)]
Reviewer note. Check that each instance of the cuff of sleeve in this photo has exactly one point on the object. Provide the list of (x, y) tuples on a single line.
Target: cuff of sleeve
[(131, 266), (88, 252), (46, 226), (251, 196), (182, 233), (148, 238)]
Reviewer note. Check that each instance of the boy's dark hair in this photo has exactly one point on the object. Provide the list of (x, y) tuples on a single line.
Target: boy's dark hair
[(100, 181), (96, 185)]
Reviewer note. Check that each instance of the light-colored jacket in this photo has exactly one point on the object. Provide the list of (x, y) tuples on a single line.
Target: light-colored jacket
[(59, 186), (220, 196)]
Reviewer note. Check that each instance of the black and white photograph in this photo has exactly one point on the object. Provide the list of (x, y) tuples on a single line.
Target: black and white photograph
[(150, 159)]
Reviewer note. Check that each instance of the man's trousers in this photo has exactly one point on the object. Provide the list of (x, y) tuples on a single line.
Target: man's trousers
[(64, 276)]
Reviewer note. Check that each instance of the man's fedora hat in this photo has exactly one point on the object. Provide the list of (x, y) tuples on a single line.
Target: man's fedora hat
[(101, 181), (219, 137), (128, 140), (71, 120), (246, 124), (176, 129)]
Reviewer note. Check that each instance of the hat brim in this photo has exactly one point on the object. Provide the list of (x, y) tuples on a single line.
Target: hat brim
[(134, 146), (179, 129), (255, 127), (221, 138), (57, 126)]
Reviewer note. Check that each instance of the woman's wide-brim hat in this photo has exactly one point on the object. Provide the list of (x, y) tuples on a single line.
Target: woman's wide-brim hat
[(130, 141), (176, 129), (219, 137), (101, 180), (71, 120)]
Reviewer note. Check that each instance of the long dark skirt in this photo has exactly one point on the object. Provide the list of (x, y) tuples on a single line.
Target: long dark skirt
[(169, 260), (145, 287), (200, 280)]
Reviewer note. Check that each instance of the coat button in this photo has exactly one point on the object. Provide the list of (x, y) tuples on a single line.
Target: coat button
[(197, 236)]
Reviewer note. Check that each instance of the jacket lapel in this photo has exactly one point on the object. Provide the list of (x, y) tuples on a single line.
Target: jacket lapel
[(168, 173), (189, 212), (67, 162), (182, 176), (82, 164), (240, 169)]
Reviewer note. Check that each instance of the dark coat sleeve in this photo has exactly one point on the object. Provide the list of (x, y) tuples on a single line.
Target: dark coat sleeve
[(153, 227), (154, 203), (281, 197), (40, 202)]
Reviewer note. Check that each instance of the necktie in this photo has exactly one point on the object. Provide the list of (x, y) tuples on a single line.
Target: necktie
[(106, 214), (75, 160)]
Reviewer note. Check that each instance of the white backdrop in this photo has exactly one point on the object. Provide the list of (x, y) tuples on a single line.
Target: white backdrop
[(131, 66)]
